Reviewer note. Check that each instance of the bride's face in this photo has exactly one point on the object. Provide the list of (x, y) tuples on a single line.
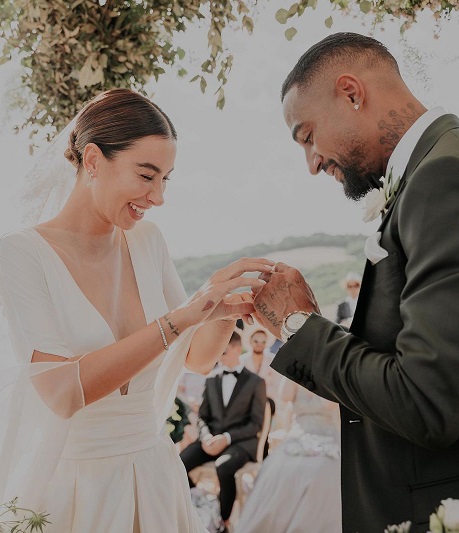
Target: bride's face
[(133, 181)]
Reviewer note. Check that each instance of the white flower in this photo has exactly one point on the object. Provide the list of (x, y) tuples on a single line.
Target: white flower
[(435, 524), (404, 527), (377, 201), (451, 516)]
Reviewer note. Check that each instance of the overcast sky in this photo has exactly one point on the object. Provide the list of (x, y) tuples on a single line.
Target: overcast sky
[(239, 178)]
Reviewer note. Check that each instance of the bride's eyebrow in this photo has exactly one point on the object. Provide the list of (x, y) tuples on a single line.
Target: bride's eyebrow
[(150, 166), (153, 167)]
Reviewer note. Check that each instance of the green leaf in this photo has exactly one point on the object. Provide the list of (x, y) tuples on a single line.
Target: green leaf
[(194, 78), (365, 6), (180, 53), (247, 22), (293, 9), (182, 72), (329, 22), (203, 84), (290, 33), (282, 16), (221, 99)]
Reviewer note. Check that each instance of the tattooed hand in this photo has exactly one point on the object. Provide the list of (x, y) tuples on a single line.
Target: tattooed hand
[(285, 291)]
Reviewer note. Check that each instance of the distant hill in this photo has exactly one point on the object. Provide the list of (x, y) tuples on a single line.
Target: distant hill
[(323, 259)]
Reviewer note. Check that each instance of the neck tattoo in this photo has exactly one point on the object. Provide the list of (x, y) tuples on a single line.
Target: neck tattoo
[(398, 124)]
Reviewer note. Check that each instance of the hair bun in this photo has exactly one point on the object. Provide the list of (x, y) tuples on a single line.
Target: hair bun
[(72, 153)]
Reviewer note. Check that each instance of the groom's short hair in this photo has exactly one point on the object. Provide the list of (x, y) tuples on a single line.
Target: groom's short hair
[(336, 48)]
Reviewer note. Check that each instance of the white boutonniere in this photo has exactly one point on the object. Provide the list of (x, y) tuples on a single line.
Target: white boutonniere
[(446, 519), (377, 201), (404, 527)]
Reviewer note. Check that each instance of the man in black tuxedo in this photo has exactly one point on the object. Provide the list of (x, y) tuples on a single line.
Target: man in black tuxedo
[(395, 375), (230, 418)]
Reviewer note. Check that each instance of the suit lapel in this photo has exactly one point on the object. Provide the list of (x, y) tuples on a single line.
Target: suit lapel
[(425, 144), (217, 392)]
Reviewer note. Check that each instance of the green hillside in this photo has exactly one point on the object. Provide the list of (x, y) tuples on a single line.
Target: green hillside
[(324, 278)]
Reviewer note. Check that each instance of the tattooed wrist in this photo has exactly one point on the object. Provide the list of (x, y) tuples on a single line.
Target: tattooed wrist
[(270, 316), (173, 329), (209, 305)]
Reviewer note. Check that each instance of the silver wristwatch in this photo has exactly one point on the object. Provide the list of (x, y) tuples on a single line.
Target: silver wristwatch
[(292, 323)]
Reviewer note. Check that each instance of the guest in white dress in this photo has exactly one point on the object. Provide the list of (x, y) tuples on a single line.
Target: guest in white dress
[(101, 329), (298, 487)]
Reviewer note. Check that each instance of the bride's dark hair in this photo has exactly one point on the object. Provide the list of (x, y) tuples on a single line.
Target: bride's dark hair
[(114, 120)]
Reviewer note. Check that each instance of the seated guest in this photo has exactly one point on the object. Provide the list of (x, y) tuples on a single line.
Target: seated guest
[(258, 359), (297, 489), (230, 418), (346, 308)]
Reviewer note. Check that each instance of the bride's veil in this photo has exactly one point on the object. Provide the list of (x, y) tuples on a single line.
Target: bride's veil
[(31, 435), (49, 181)]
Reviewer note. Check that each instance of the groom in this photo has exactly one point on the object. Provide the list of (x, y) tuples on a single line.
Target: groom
[(396, 374)]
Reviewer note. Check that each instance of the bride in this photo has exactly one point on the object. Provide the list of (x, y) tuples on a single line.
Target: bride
[(101, 328)]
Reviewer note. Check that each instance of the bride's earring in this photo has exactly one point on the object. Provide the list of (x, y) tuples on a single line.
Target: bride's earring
[(90, 179), (356, 107)]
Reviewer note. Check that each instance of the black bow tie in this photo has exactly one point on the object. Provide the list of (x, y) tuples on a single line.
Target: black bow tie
[(234, 372)]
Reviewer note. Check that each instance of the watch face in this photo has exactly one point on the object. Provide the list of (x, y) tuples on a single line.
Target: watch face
[(295, 321)]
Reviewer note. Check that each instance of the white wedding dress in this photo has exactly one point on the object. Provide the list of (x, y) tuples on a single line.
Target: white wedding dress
[(115, 471)]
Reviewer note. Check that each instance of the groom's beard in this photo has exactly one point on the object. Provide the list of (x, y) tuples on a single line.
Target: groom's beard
[(358, 178), (357, 183)]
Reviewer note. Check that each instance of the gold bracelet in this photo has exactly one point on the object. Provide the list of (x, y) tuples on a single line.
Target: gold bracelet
[(163, 335)]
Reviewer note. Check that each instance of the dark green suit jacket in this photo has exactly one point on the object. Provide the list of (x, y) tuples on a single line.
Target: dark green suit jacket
[(396, 374)]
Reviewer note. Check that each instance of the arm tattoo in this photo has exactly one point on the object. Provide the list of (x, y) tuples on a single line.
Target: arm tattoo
[(208, 305), (174, 329), (399, 123), (269, 315)]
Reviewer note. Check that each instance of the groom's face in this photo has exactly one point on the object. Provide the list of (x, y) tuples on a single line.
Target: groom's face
[(325, 128)]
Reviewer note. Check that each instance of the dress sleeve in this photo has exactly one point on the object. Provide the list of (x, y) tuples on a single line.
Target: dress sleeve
[(172, 365), (174, 292), (38, 399), (26, 300)]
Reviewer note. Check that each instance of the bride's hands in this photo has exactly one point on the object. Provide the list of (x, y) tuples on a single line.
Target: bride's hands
[(234, 306), (213, 300)]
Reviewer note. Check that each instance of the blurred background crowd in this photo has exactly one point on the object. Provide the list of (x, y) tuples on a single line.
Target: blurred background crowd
[(262, 453)]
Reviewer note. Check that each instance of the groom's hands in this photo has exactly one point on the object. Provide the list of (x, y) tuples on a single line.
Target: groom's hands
[(285, 291)]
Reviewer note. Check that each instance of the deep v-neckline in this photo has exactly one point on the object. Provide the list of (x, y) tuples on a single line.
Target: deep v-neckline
[(81, 292)]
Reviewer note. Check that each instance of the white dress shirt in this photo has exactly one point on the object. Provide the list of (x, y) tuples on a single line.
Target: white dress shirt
[(229, 382), (402, 153)]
